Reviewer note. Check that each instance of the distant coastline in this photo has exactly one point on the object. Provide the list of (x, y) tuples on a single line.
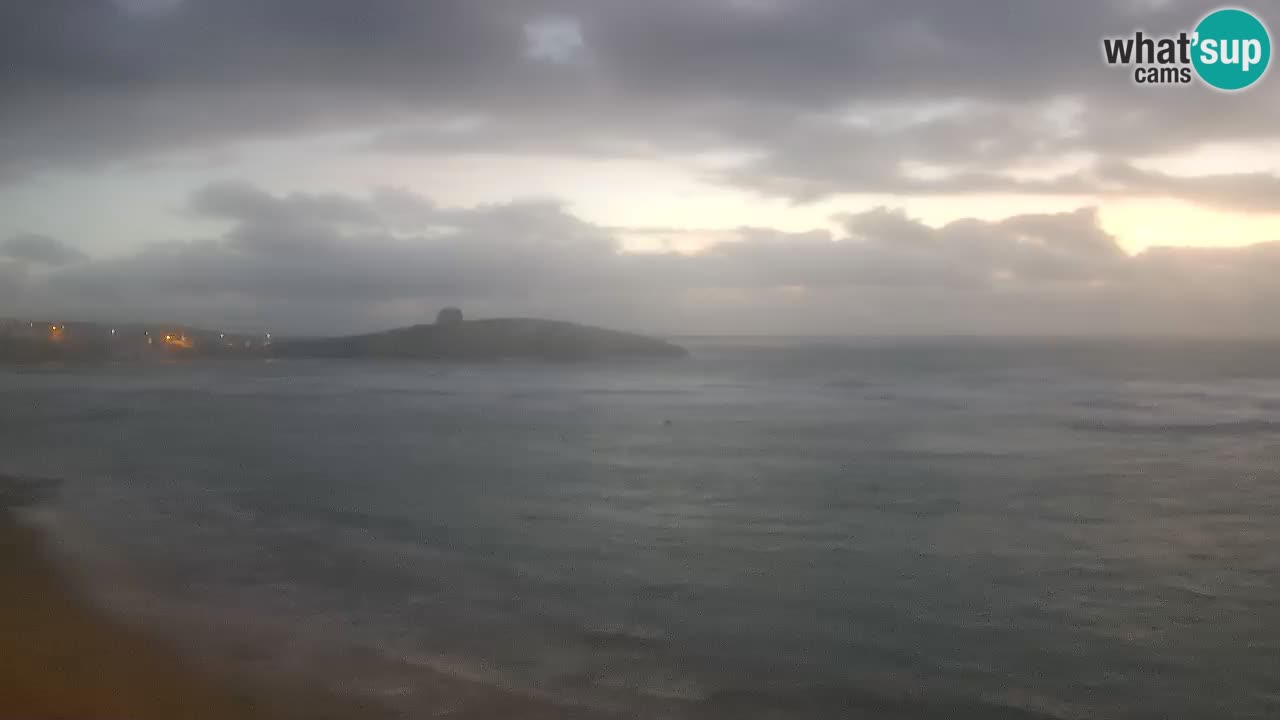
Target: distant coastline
[(32, 342), (54, 341), (487, 340)]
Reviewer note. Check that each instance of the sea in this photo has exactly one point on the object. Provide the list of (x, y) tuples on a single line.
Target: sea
[(770, 528)]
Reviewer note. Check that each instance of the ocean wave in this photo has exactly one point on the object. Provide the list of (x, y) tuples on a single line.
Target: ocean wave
[(22, 491), (851, 702), (851, 383), (1113, 403), (632, 391), (1226, 427), (622, 636)]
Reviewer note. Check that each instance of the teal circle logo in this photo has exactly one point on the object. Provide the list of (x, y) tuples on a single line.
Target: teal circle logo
[(1231, 49)]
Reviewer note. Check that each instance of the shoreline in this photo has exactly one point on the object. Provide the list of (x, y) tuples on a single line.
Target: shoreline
[(61, 657), (65, 655), (68, 653)]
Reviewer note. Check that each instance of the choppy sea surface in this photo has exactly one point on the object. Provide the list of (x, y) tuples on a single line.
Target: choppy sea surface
[(807, 528)]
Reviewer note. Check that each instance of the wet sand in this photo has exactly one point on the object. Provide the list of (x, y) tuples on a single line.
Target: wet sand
[(62, 658)]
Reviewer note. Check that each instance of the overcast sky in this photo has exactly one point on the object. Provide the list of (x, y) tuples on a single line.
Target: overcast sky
[(676, 166)]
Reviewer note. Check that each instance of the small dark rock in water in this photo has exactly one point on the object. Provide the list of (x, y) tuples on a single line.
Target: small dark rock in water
[(666, 423)]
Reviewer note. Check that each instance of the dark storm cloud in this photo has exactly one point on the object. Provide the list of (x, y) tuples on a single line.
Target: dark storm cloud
[(390, 247), (39, 249), (825, 96), (246, 203), (1248, 192), (89, 79), (329, 263)]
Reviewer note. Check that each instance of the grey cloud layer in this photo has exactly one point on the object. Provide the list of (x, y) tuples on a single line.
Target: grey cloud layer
[(323, 263), (813, 97), (39, 249), (824, 96)]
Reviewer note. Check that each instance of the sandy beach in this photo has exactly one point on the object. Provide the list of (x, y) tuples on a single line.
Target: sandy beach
[(62, 658)]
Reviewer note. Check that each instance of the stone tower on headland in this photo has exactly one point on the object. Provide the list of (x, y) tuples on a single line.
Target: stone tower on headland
[(449, 317)]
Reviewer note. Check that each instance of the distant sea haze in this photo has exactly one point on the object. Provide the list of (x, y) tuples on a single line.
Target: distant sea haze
[(926, 528)]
